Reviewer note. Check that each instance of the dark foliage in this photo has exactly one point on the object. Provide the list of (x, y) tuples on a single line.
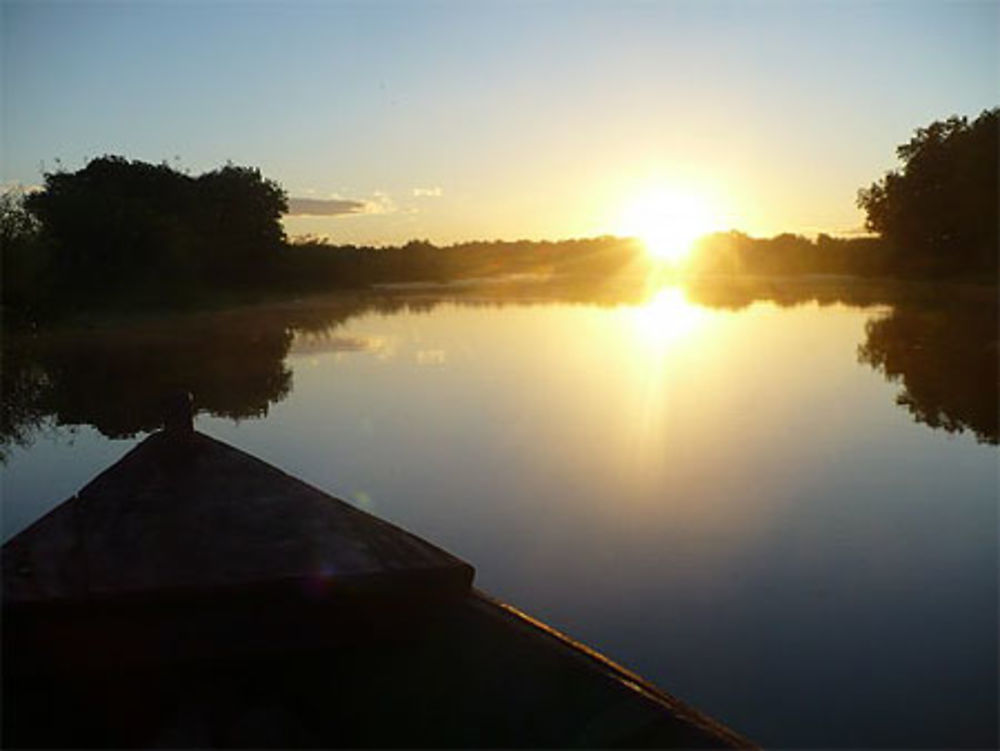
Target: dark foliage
[(939, 213), (23, 258), (122, 231)]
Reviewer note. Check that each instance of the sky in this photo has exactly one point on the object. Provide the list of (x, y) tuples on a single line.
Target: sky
[(452, 121)]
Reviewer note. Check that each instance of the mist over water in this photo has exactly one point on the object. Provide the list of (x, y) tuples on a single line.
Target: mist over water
[(775, 500)]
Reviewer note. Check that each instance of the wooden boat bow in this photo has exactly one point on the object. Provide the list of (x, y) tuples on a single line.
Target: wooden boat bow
[(193, 595)]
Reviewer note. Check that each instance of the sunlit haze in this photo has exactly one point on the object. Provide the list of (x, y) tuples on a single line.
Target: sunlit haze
[(453, 121)]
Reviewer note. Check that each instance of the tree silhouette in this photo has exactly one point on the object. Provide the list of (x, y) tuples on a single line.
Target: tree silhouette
[(940, 211), (238, 215), (22, 257), (121, 230)]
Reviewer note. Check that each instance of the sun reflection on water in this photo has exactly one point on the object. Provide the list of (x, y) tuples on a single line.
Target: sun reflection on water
[(664, 330), (667, 318)]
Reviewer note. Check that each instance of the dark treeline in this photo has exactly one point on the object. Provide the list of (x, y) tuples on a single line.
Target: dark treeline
[(121, 234), (788, 254), (315, 264), (321, 265)]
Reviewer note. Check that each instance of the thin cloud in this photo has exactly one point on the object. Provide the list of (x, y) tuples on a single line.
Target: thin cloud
[(435, 192), (381, 203), (324, 206)]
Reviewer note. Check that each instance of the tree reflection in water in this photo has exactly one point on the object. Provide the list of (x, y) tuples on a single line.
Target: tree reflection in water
[(115, 379), (945, 357), (938, 342)]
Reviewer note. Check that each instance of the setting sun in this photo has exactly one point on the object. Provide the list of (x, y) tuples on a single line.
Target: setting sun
[(667, 222)]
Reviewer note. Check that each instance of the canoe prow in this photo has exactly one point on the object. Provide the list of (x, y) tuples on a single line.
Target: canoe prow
[(195, 517), (191, 592)]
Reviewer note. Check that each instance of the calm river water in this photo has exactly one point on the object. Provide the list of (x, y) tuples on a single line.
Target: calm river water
[(776, 500)]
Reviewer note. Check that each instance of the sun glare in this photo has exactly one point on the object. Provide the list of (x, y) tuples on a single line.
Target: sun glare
[(666, 318), (667, 222)]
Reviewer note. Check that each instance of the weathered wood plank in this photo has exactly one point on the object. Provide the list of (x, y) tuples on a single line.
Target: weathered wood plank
[(189, 515)]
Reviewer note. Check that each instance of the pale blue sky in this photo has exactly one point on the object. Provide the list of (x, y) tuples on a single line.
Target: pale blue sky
[(512, 119)]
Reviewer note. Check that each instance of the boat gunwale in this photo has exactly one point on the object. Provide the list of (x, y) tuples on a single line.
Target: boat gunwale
[(632, 680)]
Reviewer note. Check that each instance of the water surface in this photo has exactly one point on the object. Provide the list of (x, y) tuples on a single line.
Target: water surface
[(778, 501)]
